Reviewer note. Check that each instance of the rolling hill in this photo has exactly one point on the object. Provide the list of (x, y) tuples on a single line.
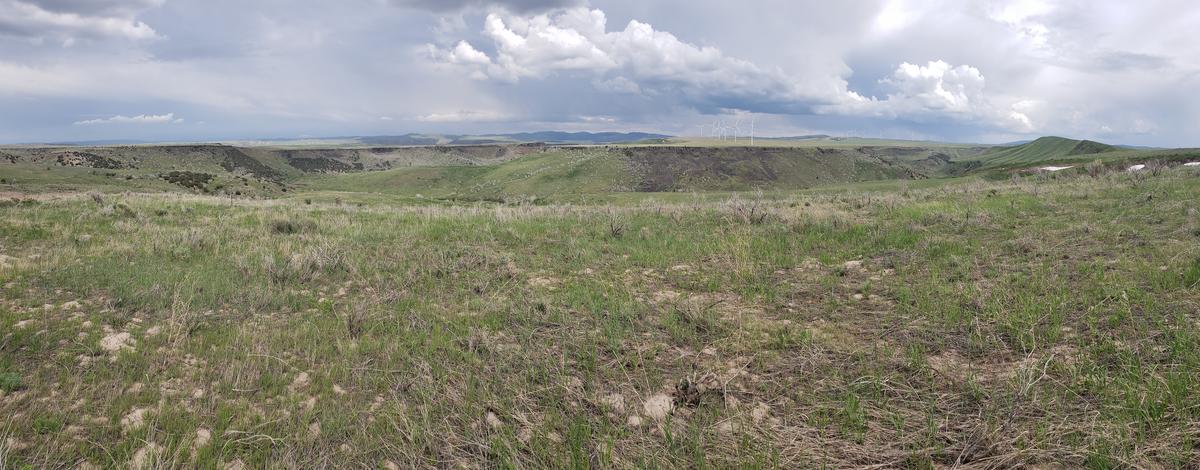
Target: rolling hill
[(1043, 150), (533, 170), (567, 173)]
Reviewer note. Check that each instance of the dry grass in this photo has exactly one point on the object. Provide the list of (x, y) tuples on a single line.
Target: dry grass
[(979, 325)]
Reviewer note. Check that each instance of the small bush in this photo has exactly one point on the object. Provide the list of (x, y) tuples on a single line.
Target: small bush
[(189, 179), (752, 212), (289, 226), (617, 225), (1155, 167), (123, 210)]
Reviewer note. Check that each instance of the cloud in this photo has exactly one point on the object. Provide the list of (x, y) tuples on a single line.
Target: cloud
[(464, 116), (637, 59), (1111, 70), (936, 87), (168, 118), (97, 7), (939, 90), (70, 19), (617, 85), (521, 6)]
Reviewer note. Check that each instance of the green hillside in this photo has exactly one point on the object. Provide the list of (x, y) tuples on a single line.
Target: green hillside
[(1043, 150), (568, 173), (498, 172)]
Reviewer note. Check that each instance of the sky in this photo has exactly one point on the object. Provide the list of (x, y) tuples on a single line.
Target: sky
[(987, 71)]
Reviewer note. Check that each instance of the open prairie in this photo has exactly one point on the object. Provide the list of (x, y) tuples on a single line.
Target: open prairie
[(592, 307)]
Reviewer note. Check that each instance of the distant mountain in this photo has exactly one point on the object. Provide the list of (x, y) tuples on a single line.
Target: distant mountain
[(97, 143), (407, 139), (549, 137), (554, 137), (799, 137)]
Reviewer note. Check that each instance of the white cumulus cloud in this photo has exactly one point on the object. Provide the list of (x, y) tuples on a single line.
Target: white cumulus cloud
[(637, 59), (939, 90), (464, 116), (168, 118)]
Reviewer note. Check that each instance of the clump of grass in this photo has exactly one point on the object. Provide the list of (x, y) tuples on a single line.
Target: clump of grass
[(291, 226), (119, 209), (307, 264), (47, 424), (1190, 278), (10, 381)]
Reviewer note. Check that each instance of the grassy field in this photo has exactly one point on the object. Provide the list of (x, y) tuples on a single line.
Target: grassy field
[(901, 324), (1058, 150)]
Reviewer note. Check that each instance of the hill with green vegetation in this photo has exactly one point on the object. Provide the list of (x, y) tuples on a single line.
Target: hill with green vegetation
[(564, 173), (481, 172), (1045, 149), (522, 171)]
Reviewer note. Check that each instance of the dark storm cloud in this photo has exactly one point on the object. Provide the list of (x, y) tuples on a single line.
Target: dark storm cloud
[(95, 7), (67, 20)]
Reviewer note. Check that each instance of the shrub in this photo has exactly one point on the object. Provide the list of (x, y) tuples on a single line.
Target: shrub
[(289, 226), (189, 179), (751, 212), (617, 225)]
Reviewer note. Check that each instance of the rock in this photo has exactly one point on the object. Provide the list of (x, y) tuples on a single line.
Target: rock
[(146, 457), (615, 401), (493, 421), (115, 342), (203, 437), (299, 382), (135, 419), (658, 406), (760, 412), (525, 435)]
